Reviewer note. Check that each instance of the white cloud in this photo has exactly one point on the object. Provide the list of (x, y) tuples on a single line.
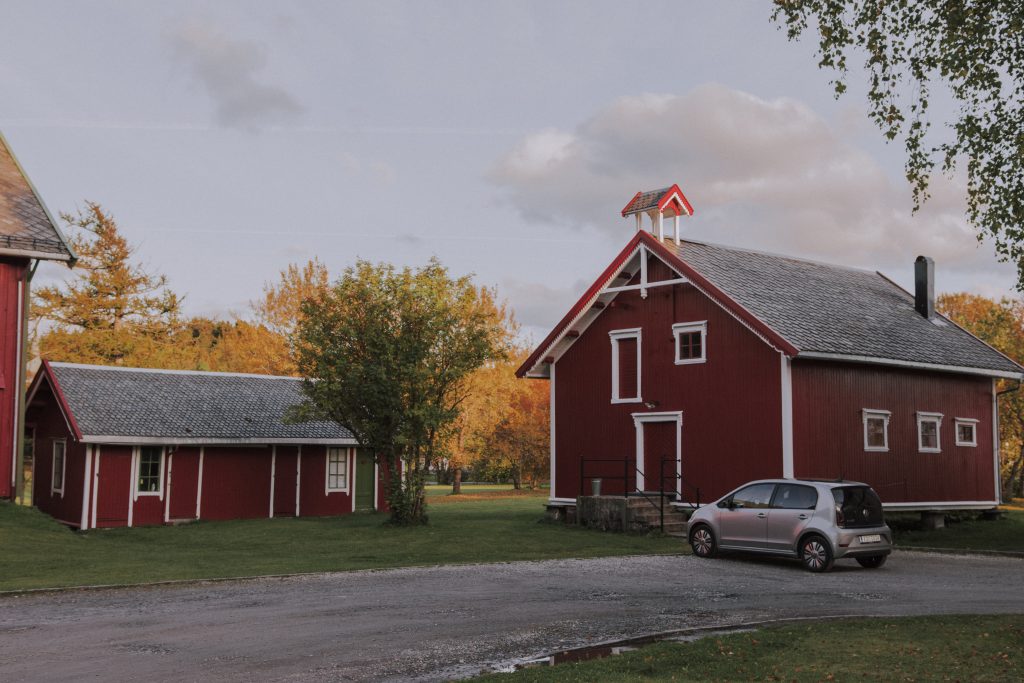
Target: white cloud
[(766, 174), (228, 69)]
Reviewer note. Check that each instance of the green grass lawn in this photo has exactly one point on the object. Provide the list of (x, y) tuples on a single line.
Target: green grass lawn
[(949, 648), (38, 552), (970, 534)]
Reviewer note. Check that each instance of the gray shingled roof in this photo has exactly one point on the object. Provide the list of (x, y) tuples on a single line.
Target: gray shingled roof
[(837, 310), (187, 406), (645, 201), (25, 225)]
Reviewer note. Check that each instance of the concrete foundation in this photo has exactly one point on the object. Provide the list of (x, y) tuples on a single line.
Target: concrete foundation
[(933, 520)]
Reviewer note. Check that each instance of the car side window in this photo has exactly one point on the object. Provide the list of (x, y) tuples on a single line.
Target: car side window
[(795, 497), (753, 496)]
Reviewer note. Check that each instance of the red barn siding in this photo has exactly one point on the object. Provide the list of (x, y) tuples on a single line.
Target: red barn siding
[(12, 271), (236, 482), (284, 481), (731, 405), (183, 475), (315, 501), (50, 427), (829, 440)]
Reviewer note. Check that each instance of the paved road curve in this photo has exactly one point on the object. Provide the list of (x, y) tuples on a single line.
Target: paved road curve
[(433, 623)]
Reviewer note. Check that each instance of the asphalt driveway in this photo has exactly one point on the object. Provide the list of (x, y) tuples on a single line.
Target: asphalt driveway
[(441, 622)]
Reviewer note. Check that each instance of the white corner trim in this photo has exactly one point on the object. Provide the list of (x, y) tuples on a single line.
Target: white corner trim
[(273, 478), (683, 328), (873, 413), (997, 455), (786, 380), (615, 336), (96, 484), (639, 419), (551, 432), (167, 498), (298, 479), (86, 484), (199, 485)]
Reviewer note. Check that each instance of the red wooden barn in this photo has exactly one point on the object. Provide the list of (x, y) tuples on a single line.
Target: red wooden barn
[(130, 447), (28, 234), (692, 366)]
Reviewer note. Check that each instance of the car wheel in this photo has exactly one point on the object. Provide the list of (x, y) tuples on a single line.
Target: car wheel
[(872, 562), (816, 554), (702, 540)]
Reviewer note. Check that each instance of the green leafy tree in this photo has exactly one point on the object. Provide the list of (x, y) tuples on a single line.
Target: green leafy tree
[(973, 52), (1001, 324), (111, 310), (387, 353)]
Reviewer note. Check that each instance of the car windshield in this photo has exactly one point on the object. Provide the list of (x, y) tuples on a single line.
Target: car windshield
[(857, 506)]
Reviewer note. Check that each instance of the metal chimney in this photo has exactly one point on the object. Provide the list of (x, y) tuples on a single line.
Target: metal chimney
[(924, 286)]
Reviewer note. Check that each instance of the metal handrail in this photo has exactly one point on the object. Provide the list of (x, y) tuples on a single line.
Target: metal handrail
[(659, 506)]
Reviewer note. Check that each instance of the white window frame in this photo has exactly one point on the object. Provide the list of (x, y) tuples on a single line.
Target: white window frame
[(346, 456), (963, 422), (874, 414), (63, 466), (923, 417), (686, 328), (138, 469), (615, 336)]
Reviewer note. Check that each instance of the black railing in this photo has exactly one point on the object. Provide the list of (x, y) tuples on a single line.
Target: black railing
[(635, 472)]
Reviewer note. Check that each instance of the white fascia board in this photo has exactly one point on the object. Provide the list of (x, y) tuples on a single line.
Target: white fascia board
[(816, 355), (30, 254), (174, 441), (561, 501), (942, 505)]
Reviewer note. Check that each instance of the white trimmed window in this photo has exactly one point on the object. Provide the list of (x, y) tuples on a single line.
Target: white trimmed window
[(876, 430), (150, 481), (625, 365), (691, 342), (57, 471), (929, 432), (966, 431), (337, 469)]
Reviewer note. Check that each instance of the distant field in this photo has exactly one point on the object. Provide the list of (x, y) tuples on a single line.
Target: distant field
[(38, 552), (439, 493)]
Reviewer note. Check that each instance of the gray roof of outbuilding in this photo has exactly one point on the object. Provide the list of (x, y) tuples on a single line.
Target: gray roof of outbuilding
[(829, 309), (25, 225), (187, 407)]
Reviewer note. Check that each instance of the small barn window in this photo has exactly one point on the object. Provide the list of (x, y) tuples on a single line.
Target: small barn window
[(691, 338), (929, 432), (625, 365), (337, 469), (876, 430), (57, 475), (150, 465), (966, 431)]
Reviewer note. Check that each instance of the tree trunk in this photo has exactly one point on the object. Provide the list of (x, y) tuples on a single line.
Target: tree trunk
[(457, 481)]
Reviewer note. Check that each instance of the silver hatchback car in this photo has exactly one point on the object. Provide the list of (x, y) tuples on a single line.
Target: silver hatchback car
[(816, 521)]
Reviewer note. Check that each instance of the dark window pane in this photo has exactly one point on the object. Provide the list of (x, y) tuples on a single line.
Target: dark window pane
[(754, 496), (795, 497), (149, 469)]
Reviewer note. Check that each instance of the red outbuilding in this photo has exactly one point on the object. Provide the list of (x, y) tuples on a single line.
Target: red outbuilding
[(691, 367), (28, 235), (130, 447)]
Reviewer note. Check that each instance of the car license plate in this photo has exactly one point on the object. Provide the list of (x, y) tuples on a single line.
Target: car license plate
[(873, 538)]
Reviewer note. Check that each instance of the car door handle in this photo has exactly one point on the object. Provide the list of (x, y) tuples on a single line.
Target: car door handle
[(801, 516), (761, 515)]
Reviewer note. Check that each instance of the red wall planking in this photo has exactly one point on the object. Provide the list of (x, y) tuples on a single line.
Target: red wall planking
[(829, 439), (315, 501), (12, 270), (732, 420), (236, 482), (49, 426)]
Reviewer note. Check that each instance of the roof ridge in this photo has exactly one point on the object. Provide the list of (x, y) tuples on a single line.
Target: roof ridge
[(775, 254), (165, 371)]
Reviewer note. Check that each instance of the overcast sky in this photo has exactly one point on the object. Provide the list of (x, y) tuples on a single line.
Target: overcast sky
[(232, 138)]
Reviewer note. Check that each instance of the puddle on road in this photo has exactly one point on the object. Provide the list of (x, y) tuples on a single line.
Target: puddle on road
[(582, 654)]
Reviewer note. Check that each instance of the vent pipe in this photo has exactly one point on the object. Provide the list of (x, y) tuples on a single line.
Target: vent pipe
[(924, 286)]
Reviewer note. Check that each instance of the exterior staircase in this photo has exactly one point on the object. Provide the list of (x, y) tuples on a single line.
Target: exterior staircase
[(643, 517), (636, 514)]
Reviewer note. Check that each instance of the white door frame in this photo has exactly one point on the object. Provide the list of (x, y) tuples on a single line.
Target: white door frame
[(639, 419)]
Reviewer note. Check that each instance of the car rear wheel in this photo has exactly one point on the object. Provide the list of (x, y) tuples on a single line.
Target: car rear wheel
[(872, 562), (702, 540), (816, 554)]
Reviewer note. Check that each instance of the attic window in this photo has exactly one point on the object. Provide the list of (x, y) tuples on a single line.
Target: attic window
[(625, 365), (928, 432), (690, 341)]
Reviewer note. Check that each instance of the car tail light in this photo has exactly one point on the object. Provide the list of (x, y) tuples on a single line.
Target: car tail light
[(840, 520)]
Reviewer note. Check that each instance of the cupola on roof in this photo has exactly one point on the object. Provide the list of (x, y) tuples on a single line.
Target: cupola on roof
[(657, 204)]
